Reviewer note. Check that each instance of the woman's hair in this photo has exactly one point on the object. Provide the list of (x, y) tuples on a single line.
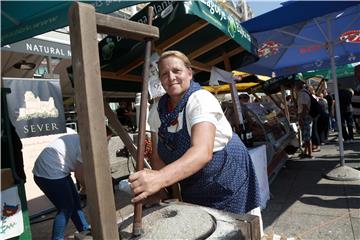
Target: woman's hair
[(177, 54)]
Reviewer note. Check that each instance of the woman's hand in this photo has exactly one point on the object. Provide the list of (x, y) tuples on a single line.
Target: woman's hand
[(145, 183)]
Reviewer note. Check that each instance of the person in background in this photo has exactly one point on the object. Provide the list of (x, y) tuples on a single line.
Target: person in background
[(347, 121), (330, 102), (127, 115), (323, 121), (52, 174), (315, 139), (355, 101), (193, 144), (305, 120), (244, 98)]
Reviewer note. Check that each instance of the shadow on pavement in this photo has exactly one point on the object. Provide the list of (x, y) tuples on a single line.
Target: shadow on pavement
[(335, 203)]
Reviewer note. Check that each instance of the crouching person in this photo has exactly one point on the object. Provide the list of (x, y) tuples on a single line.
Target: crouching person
[(52, 174)]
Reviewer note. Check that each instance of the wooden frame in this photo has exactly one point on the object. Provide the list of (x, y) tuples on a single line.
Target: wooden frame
[(84, 24)]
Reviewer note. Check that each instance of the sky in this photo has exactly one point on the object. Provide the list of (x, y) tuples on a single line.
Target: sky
[(260, 7)]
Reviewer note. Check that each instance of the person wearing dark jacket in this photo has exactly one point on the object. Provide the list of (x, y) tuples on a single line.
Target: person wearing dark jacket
[(347, 123)]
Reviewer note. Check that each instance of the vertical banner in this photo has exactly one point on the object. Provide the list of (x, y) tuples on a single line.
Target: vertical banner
[(35, 106)]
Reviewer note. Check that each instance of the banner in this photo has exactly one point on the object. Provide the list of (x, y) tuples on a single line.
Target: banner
[(35, 106), (218, 74), (11, 223), (40, 47)]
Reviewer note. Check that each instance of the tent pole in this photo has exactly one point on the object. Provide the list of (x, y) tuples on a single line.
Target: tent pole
[(341, 173), (337, 105)]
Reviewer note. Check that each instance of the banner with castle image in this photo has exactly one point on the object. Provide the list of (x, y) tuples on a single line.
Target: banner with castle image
[(35, 106)]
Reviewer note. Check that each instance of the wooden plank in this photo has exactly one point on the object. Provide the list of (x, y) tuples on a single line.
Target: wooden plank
[(221, 58), (116, 76), (131, 66), (186, 32), (250, 227), (91, 121), (200, 66), (207, 47), (116, 26), (123, 134), (166, 44)]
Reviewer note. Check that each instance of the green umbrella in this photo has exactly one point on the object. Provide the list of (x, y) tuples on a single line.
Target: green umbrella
[(24, 19)]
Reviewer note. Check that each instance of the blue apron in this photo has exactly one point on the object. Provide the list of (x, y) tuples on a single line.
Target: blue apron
[(227, 182)]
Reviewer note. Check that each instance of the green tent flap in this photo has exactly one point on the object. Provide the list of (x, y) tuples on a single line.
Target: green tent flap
[(24, 19), (188, 27), (341, 72), (223, 20)]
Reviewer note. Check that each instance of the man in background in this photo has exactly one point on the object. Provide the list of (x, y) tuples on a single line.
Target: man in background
[(305, 120), (355, 101), (347, 121)]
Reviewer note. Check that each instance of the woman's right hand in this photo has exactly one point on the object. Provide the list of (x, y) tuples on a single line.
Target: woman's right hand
[(145, 183)]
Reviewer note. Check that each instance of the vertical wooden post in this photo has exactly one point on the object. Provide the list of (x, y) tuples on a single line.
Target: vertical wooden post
[(137, 225), (90, 112)]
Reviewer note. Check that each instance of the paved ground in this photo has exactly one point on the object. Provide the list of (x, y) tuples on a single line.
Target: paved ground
[(303, 204)]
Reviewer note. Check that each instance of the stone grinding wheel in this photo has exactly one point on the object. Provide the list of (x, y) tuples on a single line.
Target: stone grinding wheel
[(171, 221)]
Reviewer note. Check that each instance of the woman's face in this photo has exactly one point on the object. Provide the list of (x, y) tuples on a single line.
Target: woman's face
[(175, 77)]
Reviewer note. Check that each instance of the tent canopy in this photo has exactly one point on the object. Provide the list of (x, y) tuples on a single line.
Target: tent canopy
[(341, 72), (294, 12), (207, 34), (296, 42), (24, 19)]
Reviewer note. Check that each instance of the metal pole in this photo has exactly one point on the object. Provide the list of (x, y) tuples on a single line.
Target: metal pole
[(137, 226), (337, 101), (341, 173)]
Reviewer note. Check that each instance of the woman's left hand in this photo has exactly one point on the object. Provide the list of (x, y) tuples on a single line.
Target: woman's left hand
[(144, 184)]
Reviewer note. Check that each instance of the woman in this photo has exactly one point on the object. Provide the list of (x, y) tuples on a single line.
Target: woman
[(193, 144)]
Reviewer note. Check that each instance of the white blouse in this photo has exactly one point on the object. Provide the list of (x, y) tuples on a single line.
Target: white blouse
[(202, 106)]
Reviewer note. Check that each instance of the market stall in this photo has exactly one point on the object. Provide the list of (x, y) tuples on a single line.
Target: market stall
[(202, 26), (87, 72), (208, 33), (325, 37)]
